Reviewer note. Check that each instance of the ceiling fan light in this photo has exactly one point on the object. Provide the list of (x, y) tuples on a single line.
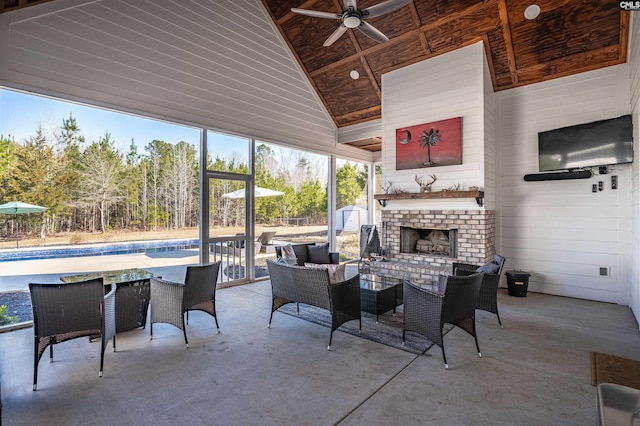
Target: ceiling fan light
[(351, 22), (532, 11)]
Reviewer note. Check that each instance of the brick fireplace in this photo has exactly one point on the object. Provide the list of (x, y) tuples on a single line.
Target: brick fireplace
[(471, 234)]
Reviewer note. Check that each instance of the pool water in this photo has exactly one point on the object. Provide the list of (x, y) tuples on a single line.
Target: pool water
[(98, 250)]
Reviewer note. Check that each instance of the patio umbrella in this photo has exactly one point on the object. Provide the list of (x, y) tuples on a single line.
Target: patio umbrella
[(259, 192), (16, 207)]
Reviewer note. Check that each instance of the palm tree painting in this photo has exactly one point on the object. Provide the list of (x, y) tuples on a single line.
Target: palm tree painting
[(427, 140), (442, 141)]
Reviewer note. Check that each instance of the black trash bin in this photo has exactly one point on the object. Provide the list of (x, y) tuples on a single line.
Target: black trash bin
[(518, 283)]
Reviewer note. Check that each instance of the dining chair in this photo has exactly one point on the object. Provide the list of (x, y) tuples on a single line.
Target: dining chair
[(171, 300), (67, 311)]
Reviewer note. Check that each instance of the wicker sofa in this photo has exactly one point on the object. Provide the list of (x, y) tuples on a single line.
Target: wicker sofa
[(297, 284), (311, 252)]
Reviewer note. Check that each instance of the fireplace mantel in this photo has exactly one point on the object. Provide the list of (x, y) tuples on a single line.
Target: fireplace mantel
[(383, 198)]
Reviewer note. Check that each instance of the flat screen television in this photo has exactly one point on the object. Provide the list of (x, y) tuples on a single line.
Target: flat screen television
[(600, 143)]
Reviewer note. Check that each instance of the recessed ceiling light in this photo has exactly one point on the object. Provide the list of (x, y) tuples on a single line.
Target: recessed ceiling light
[(532, 12), (354, 74)]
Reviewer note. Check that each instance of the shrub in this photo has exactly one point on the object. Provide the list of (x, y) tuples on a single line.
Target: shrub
[(6, 319)]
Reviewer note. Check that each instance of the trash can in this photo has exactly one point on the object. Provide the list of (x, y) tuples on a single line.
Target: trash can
[(518, 282)]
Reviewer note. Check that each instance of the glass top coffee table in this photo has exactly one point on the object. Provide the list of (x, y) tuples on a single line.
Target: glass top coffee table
[(132, 294), (379, 294), (121, 276)]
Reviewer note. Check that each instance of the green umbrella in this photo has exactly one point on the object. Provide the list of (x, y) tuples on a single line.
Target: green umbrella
[(16, 207)]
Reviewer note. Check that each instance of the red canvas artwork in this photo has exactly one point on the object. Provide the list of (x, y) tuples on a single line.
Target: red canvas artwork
[(429, 145)]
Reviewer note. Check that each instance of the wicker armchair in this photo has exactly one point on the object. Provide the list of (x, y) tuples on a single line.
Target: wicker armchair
[(66, 311), (170, 301), (426, 312), (488, 298), (297, 284)]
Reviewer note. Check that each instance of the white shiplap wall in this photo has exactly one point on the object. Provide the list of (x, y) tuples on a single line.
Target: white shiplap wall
[(633, 59), (447, 86), (489, 166), (559, 230), (219, 64)]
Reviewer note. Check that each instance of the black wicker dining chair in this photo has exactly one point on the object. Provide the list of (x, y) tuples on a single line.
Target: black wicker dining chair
[(426, 312), (488, 298), (67, 311), (171, 300)]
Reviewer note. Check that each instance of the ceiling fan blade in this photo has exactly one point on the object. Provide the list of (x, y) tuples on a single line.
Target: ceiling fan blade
[(372, 32), (335, 36), (316, 13), (385, 7), (350, 3)]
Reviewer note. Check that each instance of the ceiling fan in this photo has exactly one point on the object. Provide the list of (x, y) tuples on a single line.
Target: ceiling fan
[(352, 17)]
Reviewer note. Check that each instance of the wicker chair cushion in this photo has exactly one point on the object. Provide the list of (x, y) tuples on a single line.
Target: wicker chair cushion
[(336, 272), (489, 268), (318, 253)]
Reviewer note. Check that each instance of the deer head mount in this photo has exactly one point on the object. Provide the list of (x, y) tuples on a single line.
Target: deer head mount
[(425, 187)]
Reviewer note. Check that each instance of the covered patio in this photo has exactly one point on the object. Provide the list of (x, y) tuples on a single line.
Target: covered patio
[(534, 371)]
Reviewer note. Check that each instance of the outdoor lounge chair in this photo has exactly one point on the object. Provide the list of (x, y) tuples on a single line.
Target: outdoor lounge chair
[(488, 298), (426, 312), (66, 311), (170, 300), (266, 237)]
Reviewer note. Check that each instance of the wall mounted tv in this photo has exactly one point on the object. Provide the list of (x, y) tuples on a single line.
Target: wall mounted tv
[(599, 143)]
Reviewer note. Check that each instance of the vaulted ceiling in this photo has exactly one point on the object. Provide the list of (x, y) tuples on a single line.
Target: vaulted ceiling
[(568, 37)]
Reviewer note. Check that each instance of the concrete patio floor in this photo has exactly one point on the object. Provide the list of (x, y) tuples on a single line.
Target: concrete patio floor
[(535, 371)]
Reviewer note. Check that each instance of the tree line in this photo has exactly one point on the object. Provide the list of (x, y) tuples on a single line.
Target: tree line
[(89, 186)]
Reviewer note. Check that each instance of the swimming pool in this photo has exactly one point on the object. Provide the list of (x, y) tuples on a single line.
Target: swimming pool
[(98, 250)]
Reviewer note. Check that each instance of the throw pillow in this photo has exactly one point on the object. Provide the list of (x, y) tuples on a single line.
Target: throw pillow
[(336, 272), (287, 261), (489, 267), (288, 253), (319, 253)]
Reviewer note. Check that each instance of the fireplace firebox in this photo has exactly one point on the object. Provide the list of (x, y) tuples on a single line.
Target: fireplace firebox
[(438, 242)]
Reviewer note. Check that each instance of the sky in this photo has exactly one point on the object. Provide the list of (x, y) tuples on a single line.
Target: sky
[(20, 114)]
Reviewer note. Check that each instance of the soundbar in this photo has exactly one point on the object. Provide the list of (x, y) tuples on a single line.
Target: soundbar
[(578, 174)]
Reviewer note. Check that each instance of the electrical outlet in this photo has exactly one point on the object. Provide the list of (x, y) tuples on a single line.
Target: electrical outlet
[(594, 188), (614, 182), (600, 186)]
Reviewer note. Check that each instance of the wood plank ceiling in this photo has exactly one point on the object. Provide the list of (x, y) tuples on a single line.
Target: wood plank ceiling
[(568, 37), (9, 5)]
